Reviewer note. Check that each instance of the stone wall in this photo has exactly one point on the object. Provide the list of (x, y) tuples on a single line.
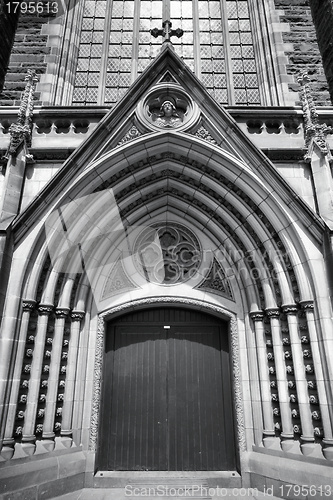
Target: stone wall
[(29, 52), (302, 48), (322, 13), (8, 23)]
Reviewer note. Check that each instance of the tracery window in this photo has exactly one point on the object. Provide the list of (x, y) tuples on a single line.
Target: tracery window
[(115, 46)]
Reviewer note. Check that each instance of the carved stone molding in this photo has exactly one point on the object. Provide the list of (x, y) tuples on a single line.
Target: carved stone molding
[(97, 383), (178, 301)]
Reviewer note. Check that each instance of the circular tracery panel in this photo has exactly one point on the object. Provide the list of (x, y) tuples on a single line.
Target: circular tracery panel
[(167, 254), (166, 107)]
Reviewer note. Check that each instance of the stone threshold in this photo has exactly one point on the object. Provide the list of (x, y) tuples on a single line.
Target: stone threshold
[(167, 474)]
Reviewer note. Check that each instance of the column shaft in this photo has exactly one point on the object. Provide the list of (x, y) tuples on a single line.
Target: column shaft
[(67, 412), (53, 380), (287, 425), (36, 371)]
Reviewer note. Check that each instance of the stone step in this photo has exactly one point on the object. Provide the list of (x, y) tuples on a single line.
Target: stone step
[(119, 494), (121, 479)]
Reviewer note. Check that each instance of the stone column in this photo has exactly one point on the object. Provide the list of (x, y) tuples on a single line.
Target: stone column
[(308, 307), (28, 435), (53, 380), (8, 442), (287, 435), (307, 437), (268, 432), (67, 409)]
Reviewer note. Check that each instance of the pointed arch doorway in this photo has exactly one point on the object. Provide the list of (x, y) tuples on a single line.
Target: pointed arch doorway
[(166, 393)]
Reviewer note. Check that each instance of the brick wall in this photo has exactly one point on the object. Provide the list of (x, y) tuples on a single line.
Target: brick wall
[(8, 23), (322, 13), (304, 52), (29, 52)]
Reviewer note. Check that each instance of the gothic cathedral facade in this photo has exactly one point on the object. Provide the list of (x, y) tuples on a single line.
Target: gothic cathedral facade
[(166, 204)]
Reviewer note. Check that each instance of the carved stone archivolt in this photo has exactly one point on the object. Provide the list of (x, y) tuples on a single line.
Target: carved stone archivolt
[(197, 304), (166, 107)]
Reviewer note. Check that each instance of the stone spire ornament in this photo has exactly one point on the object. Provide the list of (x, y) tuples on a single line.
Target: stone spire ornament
[(315, 133), (318, 153), (21, 131)]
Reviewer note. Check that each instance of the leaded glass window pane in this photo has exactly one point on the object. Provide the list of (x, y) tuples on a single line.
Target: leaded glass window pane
[(116, 45), (148, 46)]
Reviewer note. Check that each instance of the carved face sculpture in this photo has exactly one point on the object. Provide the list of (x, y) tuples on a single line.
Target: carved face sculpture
[(168, 109)]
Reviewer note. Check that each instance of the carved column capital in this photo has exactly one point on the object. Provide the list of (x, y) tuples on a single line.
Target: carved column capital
[(307, 305), (28, 305), (273, 312), (290, 309), (45, 309), (77, 315), (61, 312), (257, 315)]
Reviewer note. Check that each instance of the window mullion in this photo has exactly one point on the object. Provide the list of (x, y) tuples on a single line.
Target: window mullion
[(227, 54), (105, 54), (196, 40), (135, 44)]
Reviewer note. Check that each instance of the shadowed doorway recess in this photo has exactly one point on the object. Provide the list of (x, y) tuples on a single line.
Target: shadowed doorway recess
[(166, 396)]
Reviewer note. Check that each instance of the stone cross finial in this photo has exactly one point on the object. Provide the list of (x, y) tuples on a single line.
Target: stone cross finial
[(167, 32), (314, 132), (20, 132)]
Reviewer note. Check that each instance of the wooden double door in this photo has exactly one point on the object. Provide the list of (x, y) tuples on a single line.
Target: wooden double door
[(166, 393)]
